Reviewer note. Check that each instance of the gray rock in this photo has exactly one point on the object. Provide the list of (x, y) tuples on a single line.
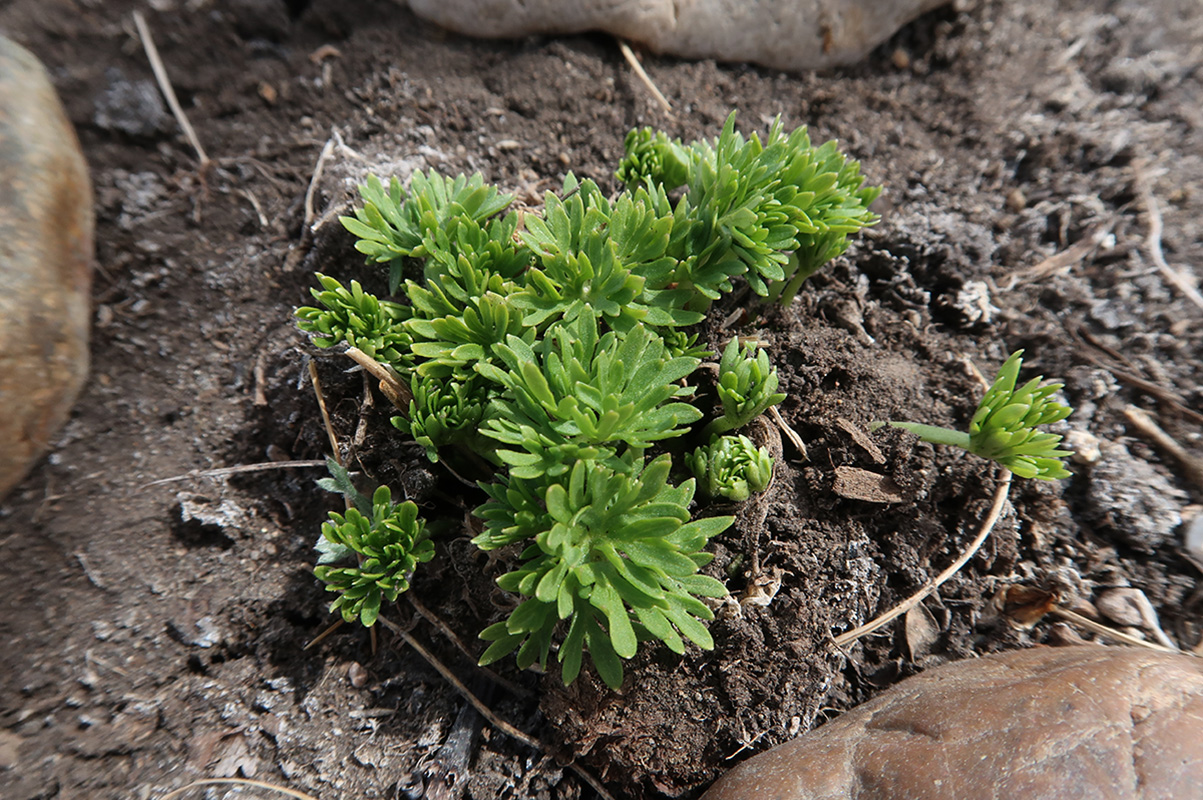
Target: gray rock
[(45, 263), (783, 34), (1131, 502)]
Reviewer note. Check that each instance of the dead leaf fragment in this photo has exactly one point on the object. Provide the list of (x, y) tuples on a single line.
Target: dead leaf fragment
[(861, 484)]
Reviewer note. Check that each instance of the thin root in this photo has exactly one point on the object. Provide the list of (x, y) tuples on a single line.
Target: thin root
[(487, 712), (237, 781), (1000, 497)]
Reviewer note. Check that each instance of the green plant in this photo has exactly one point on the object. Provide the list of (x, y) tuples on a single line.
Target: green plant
[(1003, 428), (773, 212), (615, 552), (732, 467), (746, 387), (553, 346), (359, 319), (387, 540)]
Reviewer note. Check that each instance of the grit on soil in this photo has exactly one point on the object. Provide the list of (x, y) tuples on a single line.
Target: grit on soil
[(155, 631)]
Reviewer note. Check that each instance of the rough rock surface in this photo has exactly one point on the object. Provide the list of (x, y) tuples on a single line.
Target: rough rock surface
[(801, 34), (45, 261), (1105, 723)]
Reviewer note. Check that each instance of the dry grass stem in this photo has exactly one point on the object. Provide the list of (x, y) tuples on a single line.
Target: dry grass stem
[(239, 470), (1000, 498), (323, 157), (236, 781), (321, 404), (156, 64), (1102, 630), (1146, 427), (633, 60), (1063, 262), (1180, 281)]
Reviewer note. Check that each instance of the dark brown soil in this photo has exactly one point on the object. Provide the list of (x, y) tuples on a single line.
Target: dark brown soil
[(155, 632)]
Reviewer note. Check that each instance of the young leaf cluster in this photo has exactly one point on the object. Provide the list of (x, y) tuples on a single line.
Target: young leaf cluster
[(773, 211), (549, 350), (747, 386), (385, 539), (732, 467), (612, 551), (1004, 427)]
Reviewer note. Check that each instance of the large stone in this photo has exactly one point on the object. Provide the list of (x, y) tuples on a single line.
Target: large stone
[(45, 263), (783, 34), (1104, 723)]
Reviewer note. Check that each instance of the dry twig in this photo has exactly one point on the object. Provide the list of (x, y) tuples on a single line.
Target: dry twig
[(236, 781), (1000, 497), (633, 60), (397, 392), (156, 64)]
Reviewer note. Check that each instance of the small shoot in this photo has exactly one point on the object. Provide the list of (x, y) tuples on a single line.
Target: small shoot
[(359, 319), (732, 467), (747, 386), (1004, 427), (386, 539)]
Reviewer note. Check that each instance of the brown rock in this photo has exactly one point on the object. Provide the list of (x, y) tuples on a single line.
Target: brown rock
[(783, 34), (45, 259), (1105, 723)]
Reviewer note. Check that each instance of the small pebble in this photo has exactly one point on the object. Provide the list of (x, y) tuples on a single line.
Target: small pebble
[(357, 675), (46, 227)]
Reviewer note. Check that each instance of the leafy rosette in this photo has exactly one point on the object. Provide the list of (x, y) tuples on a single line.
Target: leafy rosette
[(448, 412), (773, 211), (616, 554), (579, 390), (596, 259), (390, 227), (747, 386), (360, 320), (386, 539), (732, 467), (1004, 427)]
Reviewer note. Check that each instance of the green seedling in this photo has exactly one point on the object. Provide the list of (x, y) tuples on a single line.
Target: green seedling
[(386, 540), (1004, 427), (747, 386), (732, 467)]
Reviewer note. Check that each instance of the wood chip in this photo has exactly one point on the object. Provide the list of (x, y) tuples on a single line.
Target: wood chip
[(861, 484), (861, 437)]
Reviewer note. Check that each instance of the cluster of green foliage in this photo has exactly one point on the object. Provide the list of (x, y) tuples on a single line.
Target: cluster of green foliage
[(385, 540), (732, 467), (1003, 428), (549, 352)]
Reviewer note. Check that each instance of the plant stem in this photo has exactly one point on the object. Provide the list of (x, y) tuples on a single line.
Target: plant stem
[(935, 434)]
